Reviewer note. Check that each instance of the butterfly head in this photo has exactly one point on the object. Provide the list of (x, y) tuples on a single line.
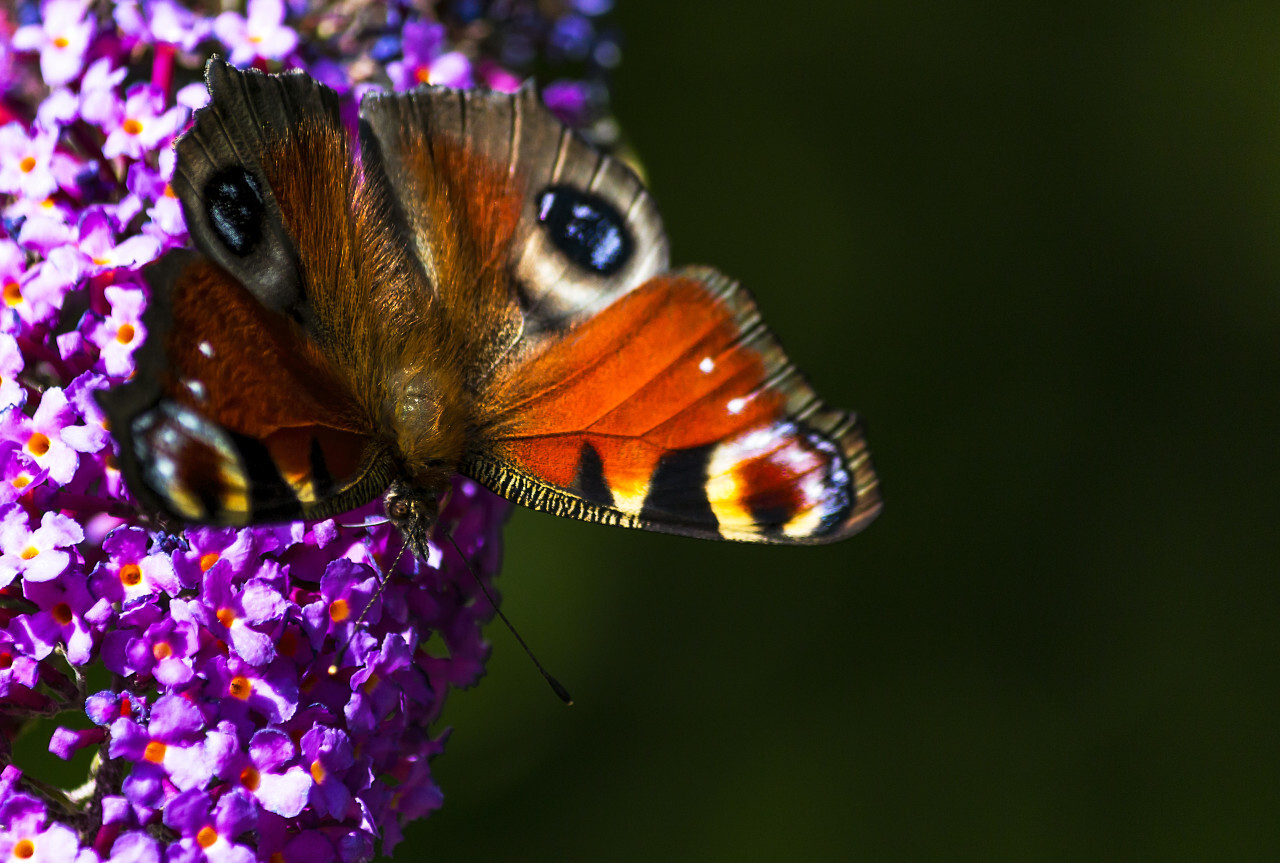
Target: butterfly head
[(414, 509)]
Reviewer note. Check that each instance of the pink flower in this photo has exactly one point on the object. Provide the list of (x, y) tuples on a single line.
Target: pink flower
[(142, 126), (262, 34), (35, 554), (121, 333), (61, 38), (26, 162)]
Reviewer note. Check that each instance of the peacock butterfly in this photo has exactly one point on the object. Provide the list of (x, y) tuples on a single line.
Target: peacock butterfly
[(478, 291)]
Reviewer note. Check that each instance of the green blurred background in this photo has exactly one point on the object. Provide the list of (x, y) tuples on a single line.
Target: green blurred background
[(1036, 248)]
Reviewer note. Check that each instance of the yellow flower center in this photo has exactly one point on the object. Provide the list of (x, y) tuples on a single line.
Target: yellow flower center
[(125, 334), (339, 610), (12, 294), (37, 444), (241, 687)]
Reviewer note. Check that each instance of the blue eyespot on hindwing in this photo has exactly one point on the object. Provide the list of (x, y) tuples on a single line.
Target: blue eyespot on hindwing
[(586, 228)]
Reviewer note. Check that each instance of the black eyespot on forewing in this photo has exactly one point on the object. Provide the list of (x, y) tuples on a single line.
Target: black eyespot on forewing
[(236, 209), (586, 228)]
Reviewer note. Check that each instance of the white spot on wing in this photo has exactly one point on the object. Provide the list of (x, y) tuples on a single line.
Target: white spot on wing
[(707, 365)]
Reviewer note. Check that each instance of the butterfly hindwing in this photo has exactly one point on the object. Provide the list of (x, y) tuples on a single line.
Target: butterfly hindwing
[(232, 417), (676, 410)]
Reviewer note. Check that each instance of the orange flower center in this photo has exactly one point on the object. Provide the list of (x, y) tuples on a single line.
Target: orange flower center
[(22, 480), (241, 687), (61, 613), (27, 165), (208, 560), (154, 752), (169, 192), (61, 41), (37, 444), (317, 771), (250, 778), (422, 74), (226, 617), (12, 294), (125, 334), (206, 837), (161, 650), (24, 849), (339, 610), (132, 126), (130, 575), (30, 552)]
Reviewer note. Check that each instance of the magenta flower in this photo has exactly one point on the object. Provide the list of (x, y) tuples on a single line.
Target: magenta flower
[(120, 334), (269, 770), (100, 101), (61, 38), (35, 555), (12, 393), (41, 435), (161, 21), (426, 61), (142, 124), (262, 34), (98, 250), (26, 162)]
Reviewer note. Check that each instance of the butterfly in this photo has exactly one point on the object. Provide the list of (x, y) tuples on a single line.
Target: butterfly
[(474, 290)]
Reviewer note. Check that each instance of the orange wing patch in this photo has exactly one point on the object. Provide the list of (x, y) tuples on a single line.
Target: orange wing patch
[(676, 407), (246, 421)]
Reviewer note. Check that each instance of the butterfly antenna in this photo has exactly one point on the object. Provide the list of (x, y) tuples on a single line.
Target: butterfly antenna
[(556, 686), (364, 612)]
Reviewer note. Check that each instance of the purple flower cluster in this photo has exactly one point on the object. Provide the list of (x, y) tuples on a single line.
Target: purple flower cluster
[(222, 735)]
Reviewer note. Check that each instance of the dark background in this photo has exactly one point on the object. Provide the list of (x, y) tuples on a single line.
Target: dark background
[(1037, 249)]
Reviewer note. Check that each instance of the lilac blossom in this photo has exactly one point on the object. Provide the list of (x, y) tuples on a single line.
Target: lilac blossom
[(26, 162), (35, 555), (142, 123), (233, 737), (61, 38), (262, 34), (120, 334)]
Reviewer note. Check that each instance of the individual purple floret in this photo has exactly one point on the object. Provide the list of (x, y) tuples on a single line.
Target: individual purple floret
[(270, 692)]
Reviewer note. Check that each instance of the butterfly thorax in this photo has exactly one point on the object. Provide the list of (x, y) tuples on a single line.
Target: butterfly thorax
[(430, 417)]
